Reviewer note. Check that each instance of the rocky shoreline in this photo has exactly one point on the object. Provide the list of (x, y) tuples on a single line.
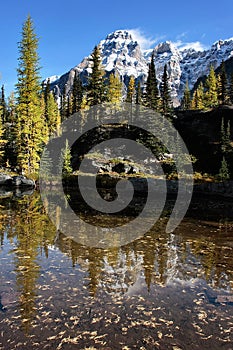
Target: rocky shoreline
[(16, 181), (20, 183), (222, 189)]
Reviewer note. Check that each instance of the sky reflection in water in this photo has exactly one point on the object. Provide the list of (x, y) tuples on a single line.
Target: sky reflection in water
[(162, 291)]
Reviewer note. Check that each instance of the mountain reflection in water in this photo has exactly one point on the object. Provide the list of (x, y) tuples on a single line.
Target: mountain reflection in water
[(161, 291)]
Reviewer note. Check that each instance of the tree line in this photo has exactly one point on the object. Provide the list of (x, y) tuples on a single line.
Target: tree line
[(33, 114), (103, 89), (216, 90)]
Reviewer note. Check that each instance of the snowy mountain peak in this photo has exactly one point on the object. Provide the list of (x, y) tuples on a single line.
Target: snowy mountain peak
[(221, 43), (119, 35), (122, 55), (119, 43), (166, 48)]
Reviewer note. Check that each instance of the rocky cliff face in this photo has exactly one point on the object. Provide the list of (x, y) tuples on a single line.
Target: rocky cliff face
[(201, 132), (195, 64), (122, 54), (167, 53)]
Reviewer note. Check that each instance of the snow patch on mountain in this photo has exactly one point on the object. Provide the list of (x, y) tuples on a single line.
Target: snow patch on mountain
[(52, 79)]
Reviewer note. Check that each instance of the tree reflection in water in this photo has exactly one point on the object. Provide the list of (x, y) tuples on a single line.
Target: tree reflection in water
[(26, 223), (195, 251)]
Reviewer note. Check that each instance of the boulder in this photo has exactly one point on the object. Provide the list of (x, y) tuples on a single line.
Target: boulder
[(5, 180), (119, 168), (22, 181)]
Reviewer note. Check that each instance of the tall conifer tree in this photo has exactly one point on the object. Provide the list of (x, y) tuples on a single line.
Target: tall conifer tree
[(11, 132), (186, 101), (2, 138), (96, 86), (225, 138), (69, 105), (165, 92), (198, 97), (231, 89), (114, 93), (224, 173), (3, 104), (211, 95), (46, 91), (222, 88), (52, 114), (31, 122), (65, 160), (152, 91), (130, 90), (64, 105), (138, 94), (77, 92)]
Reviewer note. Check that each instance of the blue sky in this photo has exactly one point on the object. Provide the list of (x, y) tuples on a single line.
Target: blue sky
[(69, 29)]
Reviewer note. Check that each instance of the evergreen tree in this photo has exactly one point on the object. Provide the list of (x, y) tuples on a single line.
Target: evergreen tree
[(211, 95), (194, 100), (186, 101), (84, 104), (51, 113), (11, 133), (64, 105), (69, 105), (114, 93), (231, 89), (138, 93), (4, 111), (46, 91), (65, 160), (77, 93), (130, 90), (3, 125), (222, 85), (96, 86), (165, 92), (46, 165), (12, 108), (225, 138), (30, 120), (225, 150), (198, 97), (2, 138), (224, 171), (152, 91)]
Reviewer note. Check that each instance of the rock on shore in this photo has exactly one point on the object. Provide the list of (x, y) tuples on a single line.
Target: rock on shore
[(16, 181)]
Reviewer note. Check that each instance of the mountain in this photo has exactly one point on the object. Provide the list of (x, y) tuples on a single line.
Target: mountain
[(122, 54)]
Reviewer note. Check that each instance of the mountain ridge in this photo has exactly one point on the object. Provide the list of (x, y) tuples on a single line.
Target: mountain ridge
[(122, 54)]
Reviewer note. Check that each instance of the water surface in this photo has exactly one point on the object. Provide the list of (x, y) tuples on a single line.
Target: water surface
[(162, 291)]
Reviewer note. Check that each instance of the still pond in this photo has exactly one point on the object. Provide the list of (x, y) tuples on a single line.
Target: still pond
[(162, 291)]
